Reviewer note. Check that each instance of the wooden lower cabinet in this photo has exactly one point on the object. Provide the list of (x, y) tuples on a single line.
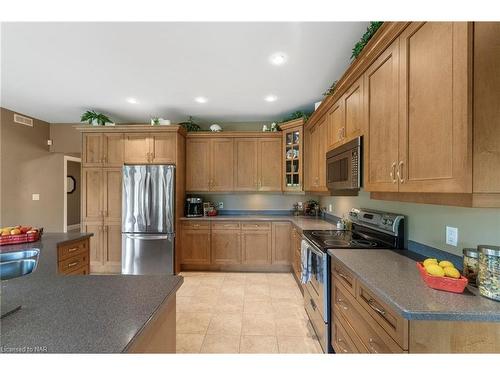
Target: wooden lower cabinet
[(256, 246), (282, 243), (297, 261), (73, 257), (236, 245), (363, 323), (195, 245), (226, 246)]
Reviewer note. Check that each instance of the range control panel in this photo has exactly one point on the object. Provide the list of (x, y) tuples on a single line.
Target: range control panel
[(376, 219)]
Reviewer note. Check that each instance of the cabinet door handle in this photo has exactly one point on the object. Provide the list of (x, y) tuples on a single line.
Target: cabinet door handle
[(374, 307), (73, 249), (341, 303), (72, 264), (393, 173), (344, 350), (372, 345), (400, 172)]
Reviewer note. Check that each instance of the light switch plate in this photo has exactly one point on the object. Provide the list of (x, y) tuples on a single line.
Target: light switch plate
[(220, 205), (35, 197), (451, 236)]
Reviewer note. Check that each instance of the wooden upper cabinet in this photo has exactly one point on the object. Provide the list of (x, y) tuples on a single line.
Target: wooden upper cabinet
[(486, 107), (269, 164), (282, 243), (113, 149), (92, 200), (137, 148), (221, 164), (197, 164), (353, 111), (93, 155), (293, 155), (163, 148), (317, 140), (245, 164), (381, 92), (322, 134), (335, 125), (434, 138)]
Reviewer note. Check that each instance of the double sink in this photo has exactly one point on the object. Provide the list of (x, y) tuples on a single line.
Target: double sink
[(18, 263)]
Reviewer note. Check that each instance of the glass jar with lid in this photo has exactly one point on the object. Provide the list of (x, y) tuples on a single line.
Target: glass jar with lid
[(471, 265), (489, 271)]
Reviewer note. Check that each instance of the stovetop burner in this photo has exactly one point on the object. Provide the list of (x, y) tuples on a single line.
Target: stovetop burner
[(342, 239), (337, 243), (362, 243)]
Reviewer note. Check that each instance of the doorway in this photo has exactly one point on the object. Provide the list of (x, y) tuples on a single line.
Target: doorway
[(72, 193)]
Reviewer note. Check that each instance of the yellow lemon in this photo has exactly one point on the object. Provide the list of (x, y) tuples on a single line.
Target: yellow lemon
[(430, 261), (446, 263), (434, 270), (452, 272)]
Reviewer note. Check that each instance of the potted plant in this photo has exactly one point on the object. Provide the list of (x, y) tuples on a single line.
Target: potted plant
[(94, 118)]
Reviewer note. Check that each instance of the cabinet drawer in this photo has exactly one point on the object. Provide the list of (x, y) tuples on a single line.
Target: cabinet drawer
[(342, 340), (256, 226), (80, 271), (225, 225), (71, 249), (196, 224), (394, 324), (370, 333), (344, 276), (71, 264)]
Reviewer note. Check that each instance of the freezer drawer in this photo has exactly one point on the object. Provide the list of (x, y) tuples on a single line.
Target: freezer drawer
[(147, 254)]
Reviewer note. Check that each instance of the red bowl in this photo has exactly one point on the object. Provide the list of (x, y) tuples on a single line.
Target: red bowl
[(447, 284)]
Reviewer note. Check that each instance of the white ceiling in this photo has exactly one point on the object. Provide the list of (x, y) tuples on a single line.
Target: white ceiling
[(55, 71)]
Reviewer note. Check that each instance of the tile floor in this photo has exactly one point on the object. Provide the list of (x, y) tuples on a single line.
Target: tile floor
[(242, 313)]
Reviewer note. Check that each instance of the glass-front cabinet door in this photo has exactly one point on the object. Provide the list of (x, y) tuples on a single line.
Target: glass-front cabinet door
[(293, 155)]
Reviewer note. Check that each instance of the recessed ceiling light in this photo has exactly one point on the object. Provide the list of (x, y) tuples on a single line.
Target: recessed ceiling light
[(271, 98), (200, 99), (132, 100), (278, 58)]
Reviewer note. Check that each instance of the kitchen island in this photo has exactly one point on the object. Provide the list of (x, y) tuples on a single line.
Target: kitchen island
[(85, 314)]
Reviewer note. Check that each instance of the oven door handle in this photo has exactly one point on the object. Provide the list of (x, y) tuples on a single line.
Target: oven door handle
[(316, 251)]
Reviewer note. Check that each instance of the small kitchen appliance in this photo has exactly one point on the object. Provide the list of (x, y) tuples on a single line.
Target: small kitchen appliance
[(369, 230), (194, 207), (343, 168)]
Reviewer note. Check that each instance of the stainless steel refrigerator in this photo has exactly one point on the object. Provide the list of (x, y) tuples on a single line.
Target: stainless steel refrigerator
[(148, 219)]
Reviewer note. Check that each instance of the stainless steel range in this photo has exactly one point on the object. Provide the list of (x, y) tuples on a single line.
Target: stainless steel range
[(369, 230)]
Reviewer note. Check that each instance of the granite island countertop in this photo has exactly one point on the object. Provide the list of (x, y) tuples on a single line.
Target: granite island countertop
[(395, 279), (301, 222), (75, 314)]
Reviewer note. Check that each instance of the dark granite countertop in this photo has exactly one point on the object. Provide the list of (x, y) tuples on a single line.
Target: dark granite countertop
[(395, 279), (70, 314)]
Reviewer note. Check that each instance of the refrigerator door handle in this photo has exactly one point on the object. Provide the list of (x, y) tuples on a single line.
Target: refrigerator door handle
[(151, 237), (147, 198)]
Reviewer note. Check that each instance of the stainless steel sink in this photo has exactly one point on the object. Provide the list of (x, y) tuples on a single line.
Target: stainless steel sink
[(16, 268), (17, 255)]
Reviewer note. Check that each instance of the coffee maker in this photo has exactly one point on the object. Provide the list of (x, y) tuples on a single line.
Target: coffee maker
[(194, 207)]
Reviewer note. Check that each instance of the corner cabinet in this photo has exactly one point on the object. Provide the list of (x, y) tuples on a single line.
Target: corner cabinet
[(105, 151), (293, 155)]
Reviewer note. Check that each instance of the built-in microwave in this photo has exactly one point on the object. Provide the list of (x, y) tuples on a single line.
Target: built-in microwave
[(343, 168)]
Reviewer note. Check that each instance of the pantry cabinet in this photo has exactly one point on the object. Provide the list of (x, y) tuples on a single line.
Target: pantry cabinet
[(104, 152), (209, 165)]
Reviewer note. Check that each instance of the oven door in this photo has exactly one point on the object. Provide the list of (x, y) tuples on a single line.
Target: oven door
[(339, 172)]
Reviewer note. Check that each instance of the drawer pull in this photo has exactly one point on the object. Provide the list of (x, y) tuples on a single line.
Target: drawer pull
[(372, 304), (73, 249), (372, 344), (342, 349), (313, 305), (345, 277), (72, 264), (341, 303)]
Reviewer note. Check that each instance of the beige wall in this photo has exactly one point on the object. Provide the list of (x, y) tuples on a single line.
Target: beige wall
[(427, 223), (257, 201), (28, 167), (73, 199), (66, 139)]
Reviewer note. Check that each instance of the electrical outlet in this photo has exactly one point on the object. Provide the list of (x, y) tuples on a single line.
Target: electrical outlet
[(35, 197), (451, 236), (220, 205)]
